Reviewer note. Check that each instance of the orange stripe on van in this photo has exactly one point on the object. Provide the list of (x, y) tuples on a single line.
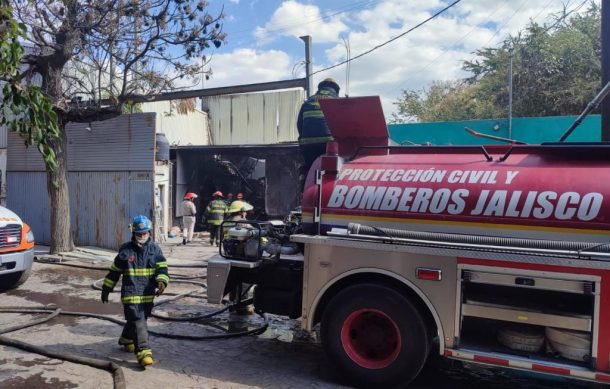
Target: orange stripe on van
[(24, 245)]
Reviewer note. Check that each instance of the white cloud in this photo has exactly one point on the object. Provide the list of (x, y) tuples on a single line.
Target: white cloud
[(295, 19), (434, 51), (234, 1), (248, 66)]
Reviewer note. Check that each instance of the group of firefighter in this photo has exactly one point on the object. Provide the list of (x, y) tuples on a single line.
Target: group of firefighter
[(141, 263), (217, 211)]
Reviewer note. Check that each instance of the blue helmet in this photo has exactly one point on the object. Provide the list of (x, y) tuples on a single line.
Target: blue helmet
[(141, 223)]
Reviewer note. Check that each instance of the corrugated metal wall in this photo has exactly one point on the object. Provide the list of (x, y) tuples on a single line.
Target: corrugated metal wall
[(26, 195), (180, 130), (125, 143), (255, 118), (111, 177), (20, 158), (3, 137)]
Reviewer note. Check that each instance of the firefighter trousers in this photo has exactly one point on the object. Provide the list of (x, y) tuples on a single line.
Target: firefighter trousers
[(136, 328), (310, 152), (215, 234)]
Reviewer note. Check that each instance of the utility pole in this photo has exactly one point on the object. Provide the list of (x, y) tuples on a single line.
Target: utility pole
[(605, 106), (510, 93), (308, 64)]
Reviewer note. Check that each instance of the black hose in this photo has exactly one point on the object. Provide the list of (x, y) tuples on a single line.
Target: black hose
[(54, 313), (118, 377), (357, 229), (36, 259), (117, 372), (95, 284), (45, 309)]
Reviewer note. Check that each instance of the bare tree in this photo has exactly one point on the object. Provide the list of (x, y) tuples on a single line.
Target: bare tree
[(96, 55)]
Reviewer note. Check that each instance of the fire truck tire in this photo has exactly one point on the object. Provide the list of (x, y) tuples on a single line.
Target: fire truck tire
[(374, 335), (13, 280)]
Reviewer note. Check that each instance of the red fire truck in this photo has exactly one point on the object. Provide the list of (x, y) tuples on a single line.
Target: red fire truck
[(498, 255)]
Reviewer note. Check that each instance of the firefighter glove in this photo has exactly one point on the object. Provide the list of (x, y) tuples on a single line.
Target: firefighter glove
[(160, 288), (105, 293)]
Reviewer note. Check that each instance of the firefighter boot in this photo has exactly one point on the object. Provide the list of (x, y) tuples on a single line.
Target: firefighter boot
[(127, 344), (145, 357)]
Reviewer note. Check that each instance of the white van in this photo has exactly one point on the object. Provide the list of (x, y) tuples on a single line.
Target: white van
[(16, 250)]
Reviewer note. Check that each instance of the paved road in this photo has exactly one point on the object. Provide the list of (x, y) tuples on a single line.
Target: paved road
[(283, 357)]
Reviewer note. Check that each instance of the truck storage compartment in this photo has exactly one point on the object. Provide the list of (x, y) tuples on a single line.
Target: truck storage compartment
[(278, 284), (543, 317)]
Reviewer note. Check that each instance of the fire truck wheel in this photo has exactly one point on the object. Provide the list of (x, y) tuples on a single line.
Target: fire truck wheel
[(374, 335)]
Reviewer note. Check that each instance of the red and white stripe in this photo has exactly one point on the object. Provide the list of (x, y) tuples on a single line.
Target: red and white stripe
[(541, 367)]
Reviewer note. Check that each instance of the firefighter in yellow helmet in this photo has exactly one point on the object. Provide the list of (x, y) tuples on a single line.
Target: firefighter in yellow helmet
[(313, 131), (237, 212)]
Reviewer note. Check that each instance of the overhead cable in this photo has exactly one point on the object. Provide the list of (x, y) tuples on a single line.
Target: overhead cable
[(389, 41)]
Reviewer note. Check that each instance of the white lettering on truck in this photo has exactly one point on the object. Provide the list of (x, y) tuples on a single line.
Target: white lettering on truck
[(494, 203)]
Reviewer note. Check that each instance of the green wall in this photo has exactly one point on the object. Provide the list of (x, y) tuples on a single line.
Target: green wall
[(529, 130)]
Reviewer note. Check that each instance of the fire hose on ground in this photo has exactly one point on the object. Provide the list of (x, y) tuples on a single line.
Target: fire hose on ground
[(116, 371)]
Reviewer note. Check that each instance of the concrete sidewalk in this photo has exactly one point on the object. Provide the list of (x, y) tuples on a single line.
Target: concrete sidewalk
[(194, 253)]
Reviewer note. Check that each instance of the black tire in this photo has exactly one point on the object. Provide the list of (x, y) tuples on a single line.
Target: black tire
[(13, 280), (375, 336)]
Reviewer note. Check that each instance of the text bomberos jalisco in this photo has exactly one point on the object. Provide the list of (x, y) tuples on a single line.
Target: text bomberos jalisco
[(457, 201)]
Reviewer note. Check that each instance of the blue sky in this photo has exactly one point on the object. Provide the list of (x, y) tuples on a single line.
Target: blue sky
[(263, 45)]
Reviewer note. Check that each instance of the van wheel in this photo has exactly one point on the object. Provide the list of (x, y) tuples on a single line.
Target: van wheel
[(13, 280), (374, 335)]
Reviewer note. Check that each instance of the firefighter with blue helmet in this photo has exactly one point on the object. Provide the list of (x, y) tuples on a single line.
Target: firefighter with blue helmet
[(145, 275)]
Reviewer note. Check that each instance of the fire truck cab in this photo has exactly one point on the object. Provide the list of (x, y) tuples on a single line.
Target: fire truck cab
[(497, 255)]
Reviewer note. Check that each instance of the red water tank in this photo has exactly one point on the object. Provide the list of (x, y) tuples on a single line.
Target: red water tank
[(552, 191)]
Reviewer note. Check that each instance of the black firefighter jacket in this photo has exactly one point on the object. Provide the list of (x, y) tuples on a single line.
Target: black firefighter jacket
[(142, 267)]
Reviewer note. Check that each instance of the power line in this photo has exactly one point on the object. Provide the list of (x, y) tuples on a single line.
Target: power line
[(565, 15), (389, 41), (505, 23)]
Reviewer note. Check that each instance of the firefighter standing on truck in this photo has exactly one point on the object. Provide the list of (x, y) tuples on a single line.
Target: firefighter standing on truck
[(313, 131), (215, 215), (144, 270)]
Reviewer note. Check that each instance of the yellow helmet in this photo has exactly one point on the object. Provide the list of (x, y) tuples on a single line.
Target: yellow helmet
[(239, 206)]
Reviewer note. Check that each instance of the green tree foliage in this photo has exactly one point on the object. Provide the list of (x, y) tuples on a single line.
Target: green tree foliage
[(556, 71), (24, 109)]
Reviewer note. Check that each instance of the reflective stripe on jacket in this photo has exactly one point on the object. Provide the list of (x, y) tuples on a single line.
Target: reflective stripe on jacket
[(142, 267), (216, 212), (311, 123)]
